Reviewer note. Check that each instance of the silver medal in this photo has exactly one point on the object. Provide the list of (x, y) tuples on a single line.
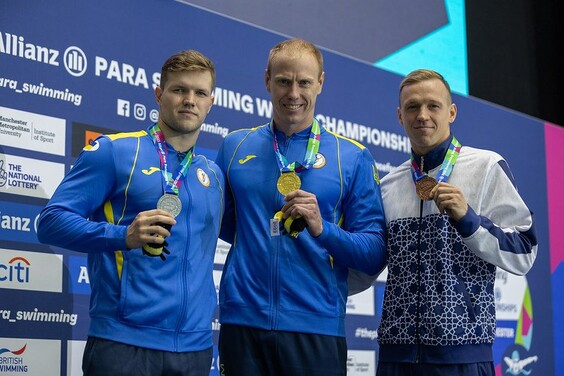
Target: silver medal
[(170, 203)]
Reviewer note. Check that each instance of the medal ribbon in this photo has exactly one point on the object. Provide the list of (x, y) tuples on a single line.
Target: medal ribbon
[(170, 183), (447, 166), (311, 151)]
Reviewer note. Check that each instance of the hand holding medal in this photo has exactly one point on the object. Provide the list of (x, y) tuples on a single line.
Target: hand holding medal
[(170, 203), (292, 226), (288, 182), (424, 186), (424, 183)]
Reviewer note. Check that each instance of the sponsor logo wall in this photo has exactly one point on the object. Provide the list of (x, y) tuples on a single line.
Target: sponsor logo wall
[(61, 89)]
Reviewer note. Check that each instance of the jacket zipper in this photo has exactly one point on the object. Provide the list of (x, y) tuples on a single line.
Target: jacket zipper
[(419, 266)]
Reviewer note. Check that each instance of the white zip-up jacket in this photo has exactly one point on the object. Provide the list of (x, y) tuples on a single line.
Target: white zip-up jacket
[(439, 304)]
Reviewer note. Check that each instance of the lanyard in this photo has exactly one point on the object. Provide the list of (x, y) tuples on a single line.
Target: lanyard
[(424, 184), (311, 150), (171, 182), (446, 167)]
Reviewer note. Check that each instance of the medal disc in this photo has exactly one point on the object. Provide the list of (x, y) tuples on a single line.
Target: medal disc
[(424, 186), (288, 182), (170, 203)]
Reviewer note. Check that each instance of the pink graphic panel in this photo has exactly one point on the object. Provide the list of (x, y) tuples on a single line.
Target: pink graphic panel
[(554, 138)]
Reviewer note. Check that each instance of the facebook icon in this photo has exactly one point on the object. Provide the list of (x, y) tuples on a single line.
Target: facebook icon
[(123, 107)]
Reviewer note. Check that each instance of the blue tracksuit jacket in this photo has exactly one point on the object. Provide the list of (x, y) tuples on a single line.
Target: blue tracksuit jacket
[(137, 299), (297, 284)]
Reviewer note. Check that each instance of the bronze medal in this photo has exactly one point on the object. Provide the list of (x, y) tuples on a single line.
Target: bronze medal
[(170, 203), (424, 186), (288, 182)]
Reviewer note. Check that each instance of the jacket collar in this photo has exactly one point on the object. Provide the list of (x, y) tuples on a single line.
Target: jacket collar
[(435, 157)]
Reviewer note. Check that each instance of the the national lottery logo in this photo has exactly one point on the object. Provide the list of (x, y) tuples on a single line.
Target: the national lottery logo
[(15, 176), (3, 174), (29, 177)]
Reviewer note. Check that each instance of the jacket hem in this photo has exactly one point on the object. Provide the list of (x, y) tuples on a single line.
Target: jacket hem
[(455, 354), (151, 338)]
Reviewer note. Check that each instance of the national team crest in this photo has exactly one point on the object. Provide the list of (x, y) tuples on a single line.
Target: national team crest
[(203, 177), (319, 161)]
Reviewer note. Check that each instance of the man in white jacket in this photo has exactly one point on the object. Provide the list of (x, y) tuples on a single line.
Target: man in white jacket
[(453, 215)]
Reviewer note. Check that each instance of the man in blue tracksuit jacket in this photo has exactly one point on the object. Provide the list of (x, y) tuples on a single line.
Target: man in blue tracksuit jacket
[(295, 228), (152, 299)]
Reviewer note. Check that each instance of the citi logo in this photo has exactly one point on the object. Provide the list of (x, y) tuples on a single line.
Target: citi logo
[(17, 270)]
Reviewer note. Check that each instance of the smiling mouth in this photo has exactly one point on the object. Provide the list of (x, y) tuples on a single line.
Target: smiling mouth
[(292, 107)]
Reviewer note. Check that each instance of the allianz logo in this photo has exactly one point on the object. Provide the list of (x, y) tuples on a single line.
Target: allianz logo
[(74, 59), (15, 223)]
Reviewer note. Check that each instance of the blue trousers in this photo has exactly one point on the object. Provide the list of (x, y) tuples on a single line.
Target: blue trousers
[(427, 369), (245, 351), (108, 358)]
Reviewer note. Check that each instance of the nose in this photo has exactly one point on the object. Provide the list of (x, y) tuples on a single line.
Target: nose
[(422, 115), (294, 93), (188, 99)]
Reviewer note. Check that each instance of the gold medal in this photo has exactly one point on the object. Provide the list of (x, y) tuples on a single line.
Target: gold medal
[(424, 186), (288, 182)]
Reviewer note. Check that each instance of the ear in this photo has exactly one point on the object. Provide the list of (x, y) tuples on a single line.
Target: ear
[(452, 113), (267, 80), (321, 81), (211, 104), (399, 116), (158, 93)]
